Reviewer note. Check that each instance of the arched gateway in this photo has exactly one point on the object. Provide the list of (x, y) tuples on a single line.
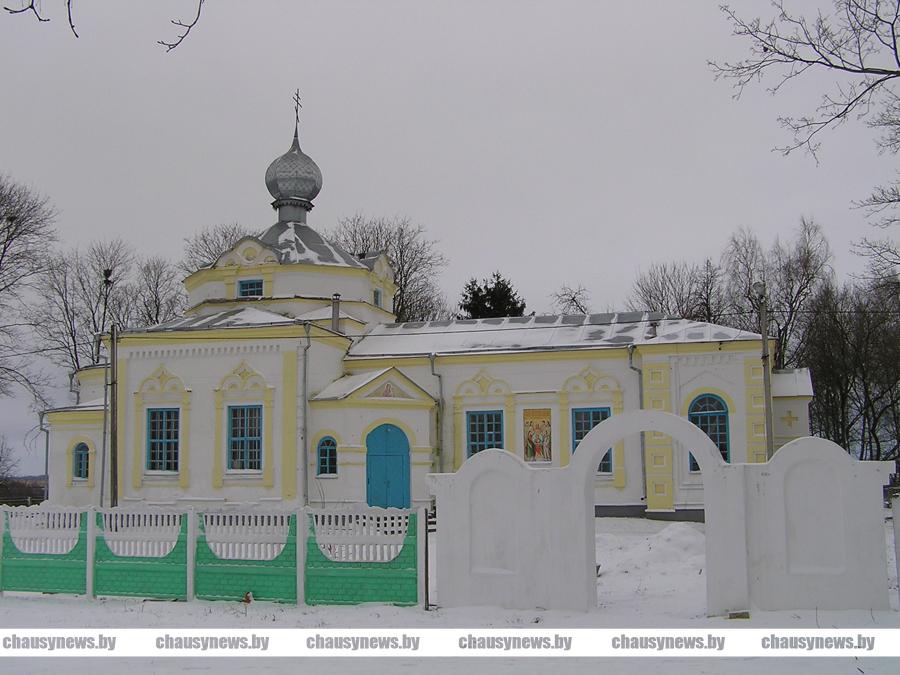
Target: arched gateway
[(519, 537)]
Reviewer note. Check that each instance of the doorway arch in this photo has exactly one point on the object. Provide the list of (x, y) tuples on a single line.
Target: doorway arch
[(723, 502), (387, 467)]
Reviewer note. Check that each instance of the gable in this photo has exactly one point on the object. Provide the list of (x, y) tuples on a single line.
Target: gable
[(388, 386), (247, 252)]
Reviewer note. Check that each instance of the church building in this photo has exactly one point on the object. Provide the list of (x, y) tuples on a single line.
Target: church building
[(287, 382)]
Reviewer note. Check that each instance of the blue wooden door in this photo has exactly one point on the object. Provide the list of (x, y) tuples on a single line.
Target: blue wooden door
[(387, 467)]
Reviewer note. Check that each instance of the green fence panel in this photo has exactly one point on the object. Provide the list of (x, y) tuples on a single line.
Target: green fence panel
[(224, 579), (164, 578), (44, 572), (351, 583)]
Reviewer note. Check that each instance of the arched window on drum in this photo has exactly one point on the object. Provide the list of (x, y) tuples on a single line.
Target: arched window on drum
[(710, 413), (80, 461)]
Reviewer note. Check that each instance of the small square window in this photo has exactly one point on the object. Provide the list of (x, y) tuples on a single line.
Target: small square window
[(250, 288)]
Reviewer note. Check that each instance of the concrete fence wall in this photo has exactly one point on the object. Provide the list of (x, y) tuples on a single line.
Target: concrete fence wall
[(340, 556)]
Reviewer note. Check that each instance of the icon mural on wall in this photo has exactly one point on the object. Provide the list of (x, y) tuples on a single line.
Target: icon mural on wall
[(536, 424)]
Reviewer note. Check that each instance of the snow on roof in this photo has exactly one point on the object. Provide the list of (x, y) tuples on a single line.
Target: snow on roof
[(345, 386), (231, 318), (93, 404), (577, 331), (299, 243), (323, 314), (795, 382)]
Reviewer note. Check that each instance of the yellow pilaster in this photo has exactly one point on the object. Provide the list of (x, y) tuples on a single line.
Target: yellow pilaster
[(92, 465), (755, 410), (658, 447), (268, 285), (509, 433), (184, 449), (122, 396), (218, 445), (230, 284), (289, 425), (137, 464), (458, 433), (619, 476), (565, 439), (268, 474), (69, 463)]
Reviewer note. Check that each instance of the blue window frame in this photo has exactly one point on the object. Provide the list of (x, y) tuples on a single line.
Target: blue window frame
[(484, 430), (250, 288), (245, 437), (162, 439), (710, 413), (583, 420), (326, 453), (376, 297), (80, 459)]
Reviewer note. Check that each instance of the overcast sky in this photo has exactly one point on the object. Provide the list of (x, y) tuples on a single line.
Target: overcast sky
[(557, 142)]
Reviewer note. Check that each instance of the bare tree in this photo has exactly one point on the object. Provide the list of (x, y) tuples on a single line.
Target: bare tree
[(670, 288), (711, 303), (31, 8), (856, 51), (77, 303), (26, 238), (156, 293), (853, 351), (856, 47), (8, 461), (415, 260), (203, 247), (792, 272), (571, 300)]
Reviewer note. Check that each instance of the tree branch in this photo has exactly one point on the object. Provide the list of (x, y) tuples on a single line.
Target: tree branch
[(29, 6), (187, 29)]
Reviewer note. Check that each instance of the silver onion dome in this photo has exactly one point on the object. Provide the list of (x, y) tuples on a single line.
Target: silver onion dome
[(294, 176)]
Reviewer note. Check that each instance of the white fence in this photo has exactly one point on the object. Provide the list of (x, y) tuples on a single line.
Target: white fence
[(349, 535), (38, 529), (140, 534), (246, 536)]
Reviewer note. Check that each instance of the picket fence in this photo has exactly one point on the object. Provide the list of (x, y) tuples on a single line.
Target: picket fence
[(331, 556)]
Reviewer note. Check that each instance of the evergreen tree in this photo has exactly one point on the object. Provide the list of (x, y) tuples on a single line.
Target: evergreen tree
[(495, 297)]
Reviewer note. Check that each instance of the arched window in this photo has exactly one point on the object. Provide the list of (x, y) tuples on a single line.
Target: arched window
[(327, 457), (80, 459), (710, 413)]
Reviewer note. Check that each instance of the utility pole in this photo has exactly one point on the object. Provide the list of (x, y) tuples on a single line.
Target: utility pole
[(114, 416), (759, 288), (113, 398)]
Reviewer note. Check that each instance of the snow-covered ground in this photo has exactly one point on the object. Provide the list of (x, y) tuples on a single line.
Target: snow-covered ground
[(651, 575)]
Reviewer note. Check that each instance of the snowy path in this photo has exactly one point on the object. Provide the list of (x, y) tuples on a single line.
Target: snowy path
[(652, 575)]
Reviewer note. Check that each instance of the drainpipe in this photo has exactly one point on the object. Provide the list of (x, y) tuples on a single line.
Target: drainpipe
[(336, 312), (304, 483), (46, 431), (439, 413), (640, 374)]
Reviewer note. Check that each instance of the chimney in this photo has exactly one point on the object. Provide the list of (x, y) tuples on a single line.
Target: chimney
[(336, 312)]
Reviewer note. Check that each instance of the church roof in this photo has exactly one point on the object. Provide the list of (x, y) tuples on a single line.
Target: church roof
[(346, 385), (527, 333), (297, 242), (232, 318)]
